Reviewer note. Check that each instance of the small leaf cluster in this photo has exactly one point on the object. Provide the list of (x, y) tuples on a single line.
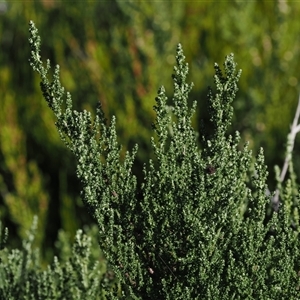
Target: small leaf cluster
[(196, 228), (76, 274)]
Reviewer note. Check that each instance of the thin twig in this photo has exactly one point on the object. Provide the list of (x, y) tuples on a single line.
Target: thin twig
[(295, 128), (167, 266)]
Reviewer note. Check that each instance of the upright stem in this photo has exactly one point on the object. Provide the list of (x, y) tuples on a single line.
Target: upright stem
[(295, 128)]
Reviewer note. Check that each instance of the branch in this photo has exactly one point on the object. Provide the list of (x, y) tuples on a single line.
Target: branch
[(295, 128)]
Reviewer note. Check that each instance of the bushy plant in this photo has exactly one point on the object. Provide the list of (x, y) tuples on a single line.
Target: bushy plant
[(78, 272), (196, 228)]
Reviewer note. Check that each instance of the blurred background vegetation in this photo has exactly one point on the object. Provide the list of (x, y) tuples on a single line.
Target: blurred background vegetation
[(119, 53)]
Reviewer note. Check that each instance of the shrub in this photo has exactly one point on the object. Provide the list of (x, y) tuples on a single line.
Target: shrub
[(78, 272), (197, 226)]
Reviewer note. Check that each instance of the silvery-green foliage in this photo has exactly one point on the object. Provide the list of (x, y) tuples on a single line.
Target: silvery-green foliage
[(78, 274), (196, 228)]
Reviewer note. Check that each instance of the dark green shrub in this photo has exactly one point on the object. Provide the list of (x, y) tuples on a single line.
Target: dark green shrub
[(197, 227)]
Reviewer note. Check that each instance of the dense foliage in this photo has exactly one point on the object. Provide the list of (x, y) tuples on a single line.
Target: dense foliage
[(196, 227), (78, 272), (116, 43)]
